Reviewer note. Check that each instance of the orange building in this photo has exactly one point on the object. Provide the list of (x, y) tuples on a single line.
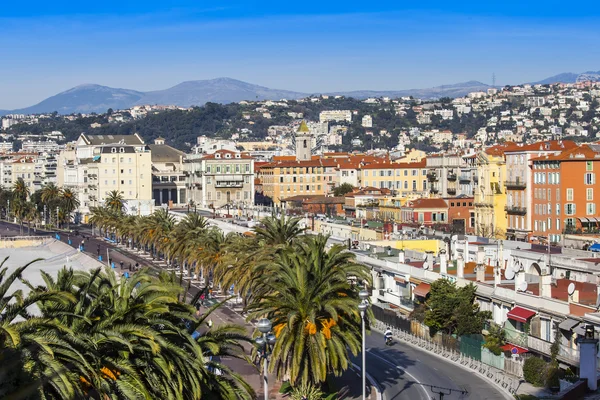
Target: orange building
[(564, 192)]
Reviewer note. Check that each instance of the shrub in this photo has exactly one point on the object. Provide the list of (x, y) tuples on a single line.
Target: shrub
[(534, 371)]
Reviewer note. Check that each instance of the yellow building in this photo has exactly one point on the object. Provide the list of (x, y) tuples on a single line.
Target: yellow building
[(403, 179), (490, 197)]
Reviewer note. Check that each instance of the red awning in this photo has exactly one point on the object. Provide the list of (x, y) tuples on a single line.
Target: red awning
[(513, 349), (520, 314), (399, 279), (422, 289)]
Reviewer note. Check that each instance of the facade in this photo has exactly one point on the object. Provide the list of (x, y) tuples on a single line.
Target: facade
[(168, 175), (222, 179), (565, 193), (403, 179), (335, 115), (490, 196), (519, 199), (304, 143), (367, 121), (461, 214), (425, 212), (98, 164)]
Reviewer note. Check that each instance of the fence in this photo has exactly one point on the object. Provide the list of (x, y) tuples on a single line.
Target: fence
[(466, 350)]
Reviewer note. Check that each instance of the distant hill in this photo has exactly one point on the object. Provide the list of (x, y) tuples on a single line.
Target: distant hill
[(95, 98), (84, 99), (570, 77), (454, 90), (220, 90)]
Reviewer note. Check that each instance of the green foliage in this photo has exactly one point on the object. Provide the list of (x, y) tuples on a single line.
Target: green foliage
[(306, 391), (495, 339), (343, 189), (534, 371), (453, 310)]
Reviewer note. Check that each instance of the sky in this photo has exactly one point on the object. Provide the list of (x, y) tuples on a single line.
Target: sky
[(309, 46)]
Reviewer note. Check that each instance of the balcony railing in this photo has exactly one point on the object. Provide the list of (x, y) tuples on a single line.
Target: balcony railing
[(464, 179), (514, 210), (451, 176), (451, 191), (566, 353), (515, 185), (432, 176), (229, 184), (516, 337)]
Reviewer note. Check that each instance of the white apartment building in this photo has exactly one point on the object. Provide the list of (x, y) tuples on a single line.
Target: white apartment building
[(335, 115), (367, 121), (222, 179), (206, 145), (6, 147), (97, 164), (48, 146), (168, 174)]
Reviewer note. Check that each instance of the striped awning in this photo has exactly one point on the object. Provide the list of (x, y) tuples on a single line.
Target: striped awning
[(583, 220), (422, 290)]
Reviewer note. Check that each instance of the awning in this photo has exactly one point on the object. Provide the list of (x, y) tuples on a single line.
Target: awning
[(422, 290), (579, 330), (513, 349), (594, 247), (399, 279), (583, 220), (520, 314), (594, 220), (568, 324)]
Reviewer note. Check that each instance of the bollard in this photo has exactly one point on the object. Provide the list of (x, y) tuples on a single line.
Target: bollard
[(112, 264), (70, 241), (99, 258)]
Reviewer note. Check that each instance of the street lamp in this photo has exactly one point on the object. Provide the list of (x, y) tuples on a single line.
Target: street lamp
[(265, 343), (362, 307)]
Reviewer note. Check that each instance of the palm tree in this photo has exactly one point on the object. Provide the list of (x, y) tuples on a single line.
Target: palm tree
[(31, 215), (114, 201), (69, 203), (50, 195), (279, 231), (20, 190), (307, 293), (19, 209)]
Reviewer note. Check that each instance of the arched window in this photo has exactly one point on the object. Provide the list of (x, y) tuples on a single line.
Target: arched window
[(305, 144)]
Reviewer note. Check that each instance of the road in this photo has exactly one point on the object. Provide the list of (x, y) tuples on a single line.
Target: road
[(407, 372), (403, 371)]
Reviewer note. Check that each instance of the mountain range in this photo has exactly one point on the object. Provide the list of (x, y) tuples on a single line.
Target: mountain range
[(96, 98)]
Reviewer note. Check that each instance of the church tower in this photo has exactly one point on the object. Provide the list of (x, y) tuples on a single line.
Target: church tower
[(303, 143)]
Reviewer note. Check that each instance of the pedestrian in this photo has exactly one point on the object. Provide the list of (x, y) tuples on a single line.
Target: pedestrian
[(121, 263), (130, 266), (209, 323), (137, 266)]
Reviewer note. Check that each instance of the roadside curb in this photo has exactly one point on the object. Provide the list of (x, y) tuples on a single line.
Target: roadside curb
[(505, 392), (378, 390)]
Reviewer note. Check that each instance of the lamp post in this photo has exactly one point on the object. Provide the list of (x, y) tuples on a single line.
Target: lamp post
[(362, 307), (265, 343)]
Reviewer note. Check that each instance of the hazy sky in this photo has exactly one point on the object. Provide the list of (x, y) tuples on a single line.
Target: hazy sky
[(308, 46)]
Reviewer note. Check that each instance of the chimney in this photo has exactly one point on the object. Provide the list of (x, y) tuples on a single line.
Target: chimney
[(401, 256), (588, 358), (443, 262), (466, 251), (546, 281), (460, 267)]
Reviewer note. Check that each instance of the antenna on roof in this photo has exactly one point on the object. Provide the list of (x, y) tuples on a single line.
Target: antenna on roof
[(523, 286), (571, 289)]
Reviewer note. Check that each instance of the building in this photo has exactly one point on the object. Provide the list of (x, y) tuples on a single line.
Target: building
[(403, 179), (222, 179), (519, 200), (96, 165), (490, 197), (367, 121), (461, 214), (304, 143), (48, 146), (206, 145), (168, 174), (425, 212), (565, 193), (335, 115)]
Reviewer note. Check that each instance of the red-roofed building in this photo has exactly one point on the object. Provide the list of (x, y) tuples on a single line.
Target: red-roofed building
[(425, 212), (564, 192)]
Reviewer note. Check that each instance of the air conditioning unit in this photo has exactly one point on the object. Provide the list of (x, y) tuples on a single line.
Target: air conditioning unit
[(389, 290)]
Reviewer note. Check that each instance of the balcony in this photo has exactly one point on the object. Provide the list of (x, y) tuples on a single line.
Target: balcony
[(229, 184), (515, 337), (434, 190), (515, 185), (514, 210), (464, 179), (451, 191), (432, 177), (451, 176), (564, 353)]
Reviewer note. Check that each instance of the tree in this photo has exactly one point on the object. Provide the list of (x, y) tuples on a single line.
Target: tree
[(69, 203), (20, 190), (114, 201), (453, 310), (495, 339), (343, 189), (306, 293), (50, 196), (279, 231)]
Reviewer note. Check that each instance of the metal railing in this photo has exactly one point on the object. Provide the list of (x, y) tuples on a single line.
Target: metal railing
[(516, 210), (515, 185)]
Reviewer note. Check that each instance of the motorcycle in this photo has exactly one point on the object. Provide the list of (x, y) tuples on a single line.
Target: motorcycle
[(388, 341)]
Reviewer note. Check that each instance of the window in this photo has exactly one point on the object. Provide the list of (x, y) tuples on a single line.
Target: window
[(569, 194), (414, 186), (589, 166), (557, 208), (590, 178), (405, 172), (590, 209), (218, 195), (130, 182), (209, 196), (589, 194), (570, 209), (558, 223), (208, 180), (366, 173), (414, 172)]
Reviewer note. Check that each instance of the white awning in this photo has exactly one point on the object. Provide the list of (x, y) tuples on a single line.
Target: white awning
[(229, 178)]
